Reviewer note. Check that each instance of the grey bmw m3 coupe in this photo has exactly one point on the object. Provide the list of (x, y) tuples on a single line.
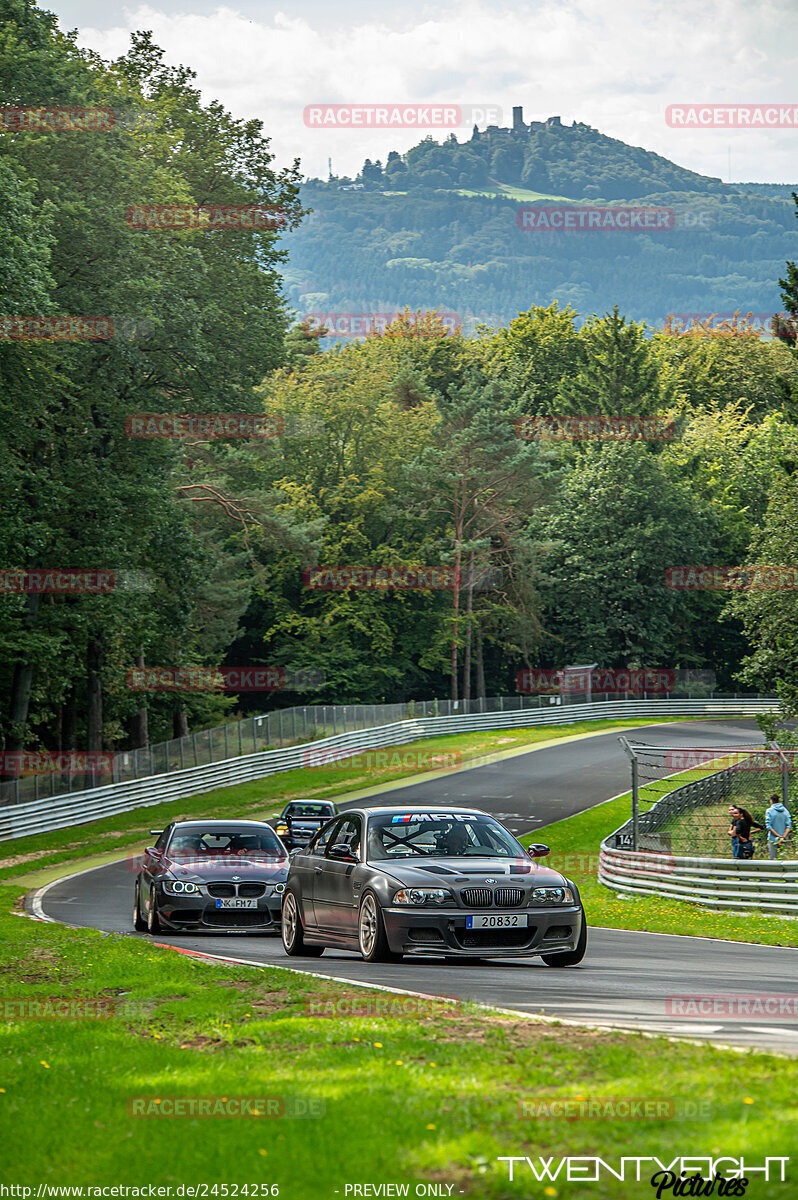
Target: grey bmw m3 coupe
[(431, 881)]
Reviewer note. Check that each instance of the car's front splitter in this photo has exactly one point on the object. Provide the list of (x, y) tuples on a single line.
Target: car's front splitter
[(421, 931)]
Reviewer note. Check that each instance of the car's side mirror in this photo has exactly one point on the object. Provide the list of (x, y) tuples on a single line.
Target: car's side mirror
[(538, 850), (342, 853)]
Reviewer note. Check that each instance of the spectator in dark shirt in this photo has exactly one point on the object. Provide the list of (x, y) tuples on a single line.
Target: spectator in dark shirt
[(742, 824)]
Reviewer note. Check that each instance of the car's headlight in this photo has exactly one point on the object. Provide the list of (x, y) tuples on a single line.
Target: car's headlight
[(423, 896), (552, 895), (281, 828), (178, 887)]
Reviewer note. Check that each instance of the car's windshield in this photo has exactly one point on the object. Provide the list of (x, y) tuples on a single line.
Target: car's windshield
[(204, 844), (449, 835), (309, 810)]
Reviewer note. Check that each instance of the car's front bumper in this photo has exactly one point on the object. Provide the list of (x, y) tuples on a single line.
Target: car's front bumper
[(425, 931), (200, 912)]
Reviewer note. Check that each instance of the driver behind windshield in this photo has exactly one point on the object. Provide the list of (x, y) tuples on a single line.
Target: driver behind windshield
[(453, 841)]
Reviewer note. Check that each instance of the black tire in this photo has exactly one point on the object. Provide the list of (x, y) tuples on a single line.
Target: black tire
[(293, 934), (570, 958), (139, 924), (371, 937), (154, 926)]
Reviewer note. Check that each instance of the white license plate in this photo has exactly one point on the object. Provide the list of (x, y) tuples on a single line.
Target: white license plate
[(496, 921), (236, 903)]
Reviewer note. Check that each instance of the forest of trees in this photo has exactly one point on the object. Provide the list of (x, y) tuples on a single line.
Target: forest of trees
[(398, 450)]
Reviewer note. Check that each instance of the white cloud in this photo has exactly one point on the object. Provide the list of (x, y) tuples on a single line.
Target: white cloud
[(614, 64)]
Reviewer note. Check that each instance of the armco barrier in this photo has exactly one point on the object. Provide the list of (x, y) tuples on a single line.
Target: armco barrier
[(742, 884), (77, 808), (713, 882)]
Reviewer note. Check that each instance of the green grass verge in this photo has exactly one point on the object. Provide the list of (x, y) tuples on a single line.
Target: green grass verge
[(575, 844), (264, 797), (406, 1098)]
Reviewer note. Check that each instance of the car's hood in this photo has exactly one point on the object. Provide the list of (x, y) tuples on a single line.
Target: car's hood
[(226, 868), (462, 872)]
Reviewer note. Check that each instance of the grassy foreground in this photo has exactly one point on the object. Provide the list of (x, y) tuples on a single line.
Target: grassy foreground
[(406, 1098), (264, 797)]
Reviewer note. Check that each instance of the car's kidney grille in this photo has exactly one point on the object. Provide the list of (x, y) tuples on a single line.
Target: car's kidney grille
[(503, 897), (221, 889), (236, 889), (251, 889)]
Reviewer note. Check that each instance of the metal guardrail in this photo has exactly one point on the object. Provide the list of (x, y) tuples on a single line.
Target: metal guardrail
[(651, 870), (78, 808)]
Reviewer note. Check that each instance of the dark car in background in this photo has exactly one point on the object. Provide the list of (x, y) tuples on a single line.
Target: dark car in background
[(211, 875), (431, 881), (301, 819)]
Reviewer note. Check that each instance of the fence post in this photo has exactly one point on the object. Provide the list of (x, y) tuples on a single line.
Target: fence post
[(635, 794)]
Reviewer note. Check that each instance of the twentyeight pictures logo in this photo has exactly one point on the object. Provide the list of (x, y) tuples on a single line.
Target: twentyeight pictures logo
[(400, 116)]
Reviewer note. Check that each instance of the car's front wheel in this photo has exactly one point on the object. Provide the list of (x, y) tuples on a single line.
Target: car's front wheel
[(371, 934), (153, 922), (293, 934), (570, 958), (139, 924)]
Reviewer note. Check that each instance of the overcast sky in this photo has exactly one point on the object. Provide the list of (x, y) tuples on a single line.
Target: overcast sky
[(613, 64)]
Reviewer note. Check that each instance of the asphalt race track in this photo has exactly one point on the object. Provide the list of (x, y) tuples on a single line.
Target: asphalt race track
[(626, 978)]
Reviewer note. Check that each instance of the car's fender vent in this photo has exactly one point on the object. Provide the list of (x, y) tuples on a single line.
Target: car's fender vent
[(560, 932), (417, 934)]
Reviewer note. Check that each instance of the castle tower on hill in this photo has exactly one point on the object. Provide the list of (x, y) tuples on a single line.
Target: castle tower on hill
[(518, 126)]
